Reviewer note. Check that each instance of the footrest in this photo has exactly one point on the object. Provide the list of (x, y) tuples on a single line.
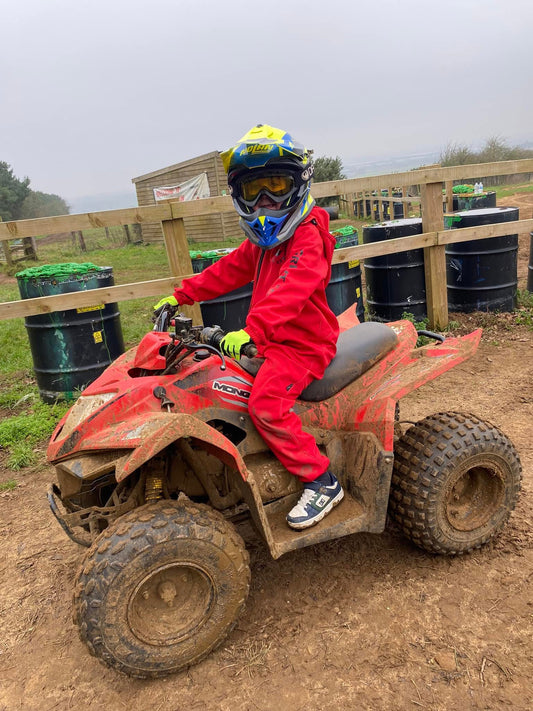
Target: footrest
[(346, 518)]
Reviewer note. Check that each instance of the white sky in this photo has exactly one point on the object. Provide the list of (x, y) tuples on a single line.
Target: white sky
[(95, 92)]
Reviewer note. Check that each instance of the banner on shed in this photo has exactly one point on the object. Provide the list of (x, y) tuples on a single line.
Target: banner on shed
[(192, 189)]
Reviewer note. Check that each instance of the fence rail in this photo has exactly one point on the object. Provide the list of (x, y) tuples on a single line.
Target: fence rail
[(171, 214)]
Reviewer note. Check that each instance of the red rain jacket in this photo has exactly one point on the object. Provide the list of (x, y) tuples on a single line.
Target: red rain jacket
[(289, 305)]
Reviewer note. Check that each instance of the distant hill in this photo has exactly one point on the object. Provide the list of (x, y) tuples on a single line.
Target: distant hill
[(351, 167), (382, 165)]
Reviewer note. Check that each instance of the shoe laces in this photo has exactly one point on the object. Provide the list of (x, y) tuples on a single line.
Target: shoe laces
[(305, 498)]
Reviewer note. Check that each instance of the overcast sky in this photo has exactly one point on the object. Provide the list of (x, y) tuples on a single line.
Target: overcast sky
[(96, 92)]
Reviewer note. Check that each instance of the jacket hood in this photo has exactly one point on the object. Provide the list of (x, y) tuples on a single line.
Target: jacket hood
[(321, 218)]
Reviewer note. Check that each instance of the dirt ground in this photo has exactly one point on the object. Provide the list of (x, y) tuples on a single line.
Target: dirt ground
[(364, 622)]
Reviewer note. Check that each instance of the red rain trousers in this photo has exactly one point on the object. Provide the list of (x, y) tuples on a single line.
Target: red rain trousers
[(292, 326)]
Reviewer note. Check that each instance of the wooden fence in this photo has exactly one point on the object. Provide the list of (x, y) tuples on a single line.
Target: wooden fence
[(433, 240)]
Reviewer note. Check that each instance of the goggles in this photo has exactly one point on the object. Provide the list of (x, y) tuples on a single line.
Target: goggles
[(275, 185)]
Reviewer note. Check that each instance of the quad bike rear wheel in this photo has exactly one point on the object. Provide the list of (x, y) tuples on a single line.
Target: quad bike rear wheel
[(455, 482), (161, 588)]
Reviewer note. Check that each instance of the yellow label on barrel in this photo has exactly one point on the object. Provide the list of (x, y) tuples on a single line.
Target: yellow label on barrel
[(84, 309), (358, 292), (97, 335), (353, 264)]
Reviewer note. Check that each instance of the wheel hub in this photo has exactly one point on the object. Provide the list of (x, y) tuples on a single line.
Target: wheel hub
[(475, 496), (170, 603)]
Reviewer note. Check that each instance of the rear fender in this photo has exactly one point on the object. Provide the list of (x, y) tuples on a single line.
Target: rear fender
[(424, 364), (368, 404), (173, 427), (420, 366)]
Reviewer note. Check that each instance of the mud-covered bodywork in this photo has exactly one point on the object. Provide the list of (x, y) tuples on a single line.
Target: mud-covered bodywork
[(138, 434)]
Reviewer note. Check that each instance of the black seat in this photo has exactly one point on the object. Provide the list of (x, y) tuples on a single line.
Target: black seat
[(358, 349)]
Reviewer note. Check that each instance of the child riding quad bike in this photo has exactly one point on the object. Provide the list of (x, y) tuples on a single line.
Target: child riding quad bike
[(158, 461)]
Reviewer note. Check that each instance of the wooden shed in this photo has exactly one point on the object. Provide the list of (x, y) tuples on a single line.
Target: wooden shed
[(199, 229)]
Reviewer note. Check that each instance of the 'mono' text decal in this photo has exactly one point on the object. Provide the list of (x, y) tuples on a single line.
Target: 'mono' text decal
[(230, 389)]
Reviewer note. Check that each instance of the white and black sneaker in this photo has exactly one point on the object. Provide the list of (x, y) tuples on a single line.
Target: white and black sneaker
[(317, 500)]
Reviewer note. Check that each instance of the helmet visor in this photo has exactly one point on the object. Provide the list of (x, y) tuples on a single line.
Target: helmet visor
[(275, 185)]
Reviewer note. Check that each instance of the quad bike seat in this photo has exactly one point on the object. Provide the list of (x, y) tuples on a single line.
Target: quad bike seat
[(358, 349)]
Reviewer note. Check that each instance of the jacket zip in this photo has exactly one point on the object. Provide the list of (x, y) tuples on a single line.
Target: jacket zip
[(259, 263)]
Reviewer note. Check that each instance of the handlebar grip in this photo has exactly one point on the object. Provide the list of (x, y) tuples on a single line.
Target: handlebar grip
[(249, 350)]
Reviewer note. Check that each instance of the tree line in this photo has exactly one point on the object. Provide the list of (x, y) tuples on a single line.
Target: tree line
[(494, 149), (19, 202)]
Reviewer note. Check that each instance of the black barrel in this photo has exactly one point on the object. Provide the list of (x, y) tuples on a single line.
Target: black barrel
[(463, 202), (482, 274), (397, 211), (398, 208), (230, 310), (395, 283), (70, 348), (530, 267), (333, 211), (345, 286)]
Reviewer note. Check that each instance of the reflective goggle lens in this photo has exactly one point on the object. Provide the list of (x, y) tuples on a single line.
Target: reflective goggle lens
[(274, 184)]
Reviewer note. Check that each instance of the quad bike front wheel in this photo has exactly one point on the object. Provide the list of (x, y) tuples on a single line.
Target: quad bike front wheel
[(455, 482), (161, 588)]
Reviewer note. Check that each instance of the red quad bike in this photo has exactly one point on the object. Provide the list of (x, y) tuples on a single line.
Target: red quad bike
[(158, 461)]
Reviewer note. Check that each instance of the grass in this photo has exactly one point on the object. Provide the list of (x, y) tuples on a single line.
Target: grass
[(506, 190), (524, 310), (20, 433), (8, 485)]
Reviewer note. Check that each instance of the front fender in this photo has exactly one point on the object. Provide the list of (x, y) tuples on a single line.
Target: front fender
[(173, 427)]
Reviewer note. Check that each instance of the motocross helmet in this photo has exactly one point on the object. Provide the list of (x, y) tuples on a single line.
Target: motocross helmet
[(266, 161)]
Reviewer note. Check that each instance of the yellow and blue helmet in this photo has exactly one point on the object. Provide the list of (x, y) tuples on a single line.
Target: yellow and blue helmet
[(268, 162)]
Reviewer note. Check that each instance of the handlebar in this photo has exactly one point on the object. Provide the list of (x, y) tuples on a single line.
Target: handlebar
[(212, 335), (209, 336)]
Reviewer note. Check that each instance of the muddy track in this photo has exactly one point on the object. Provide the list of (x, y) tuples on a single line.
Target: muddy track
[(366, 622)]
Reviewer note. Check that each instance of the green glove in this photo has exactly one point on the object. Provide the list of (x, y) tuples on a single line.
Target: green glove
[(171, 300), (233, 342)]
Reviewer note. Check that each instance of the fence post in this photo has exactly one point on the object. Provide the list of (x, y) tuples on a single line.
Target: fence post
[(30, 248), (179, 258), (449, 195), (7, 253), (367, 211), (350, 199), (434, 257), (360, 200)]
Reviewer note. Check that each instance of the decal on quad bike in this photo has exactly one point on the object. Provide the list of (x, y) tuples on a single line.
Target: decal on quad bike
[(233, 386)]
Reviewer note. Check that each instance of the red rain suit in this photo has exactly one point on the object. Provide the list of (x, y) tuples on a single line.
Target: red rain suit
[(292, 326)]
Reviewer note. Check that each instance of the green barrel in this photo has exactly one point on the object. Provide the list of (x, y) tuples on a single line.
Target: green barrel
[(70, 348), (474, 201)]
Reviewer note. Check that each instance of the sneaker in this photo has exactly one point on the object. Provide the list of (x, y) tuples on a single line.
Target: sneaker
[(317, 500)]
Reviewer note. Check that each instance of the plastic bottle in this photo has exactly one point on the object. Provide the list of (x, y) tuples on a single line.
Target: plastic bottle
[(480, 186), (476, 188)]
